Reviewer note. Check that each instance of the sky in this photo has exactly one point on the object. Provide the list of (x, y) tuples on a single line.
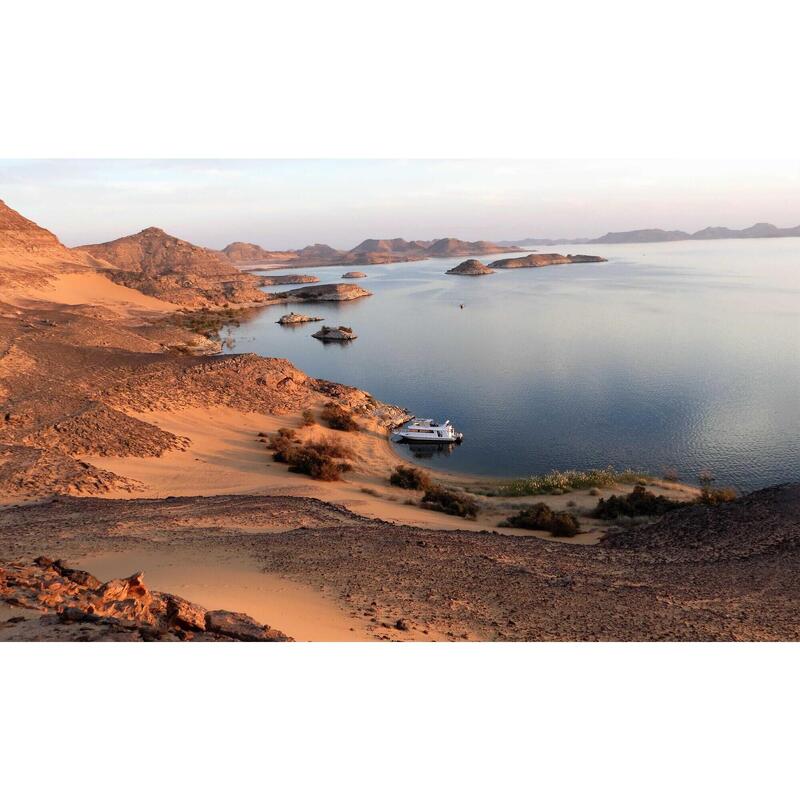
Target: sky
[(290, 203)]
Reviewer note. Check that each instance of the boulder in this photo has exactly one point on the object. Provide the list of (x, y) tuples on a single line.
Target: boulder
[(296, 319), (340, 334)]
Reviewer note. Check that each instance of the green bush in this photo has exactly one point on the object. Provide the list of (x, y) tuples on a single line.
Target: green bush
[(557, 482), (339, 418), (639, 503), (540, 517), (410, 478), (437, 498)]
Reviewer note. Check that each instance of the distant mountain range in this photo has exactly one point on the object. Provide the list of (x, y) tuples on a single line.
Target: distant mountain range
[(370, 251), (761, 230)]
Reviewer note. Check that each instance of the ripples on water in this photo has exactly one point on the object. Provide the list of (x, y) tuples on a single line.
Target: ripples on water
[(682, 356)]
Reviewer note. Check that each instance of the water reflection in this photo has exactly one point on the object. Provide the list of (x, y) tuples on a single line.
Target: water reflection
[(428, 449)]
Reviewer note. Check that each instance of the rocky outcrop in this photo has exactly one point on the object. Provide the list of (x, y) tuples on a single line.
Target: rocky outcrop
[(163, 266), (48, 600), (543, 260), (296, 319), (325, 292), (471, 267), (340, 334), (355, 275)]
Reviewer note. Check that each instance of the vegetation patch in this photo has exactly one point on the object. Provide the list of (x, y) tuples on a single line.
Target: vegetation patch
[(540, 517), (639, 503), (557, 482), (308, 417), (437, 498), (410, 478), (713, 497), (339, 418), (209, 322), (324, 460)]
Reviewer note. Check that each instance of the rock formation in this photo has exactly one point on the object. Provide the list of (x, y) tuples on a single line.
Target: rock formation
[(31, 256), (325, 292), (542, 260), (296, 319), (471, 267), (157, 264), (355, 275), (282, 280), (340, 334), (59, 603)]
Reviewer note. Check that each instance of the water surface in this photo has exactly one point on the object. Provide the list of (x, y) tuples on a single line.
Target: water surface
[(679, 356)]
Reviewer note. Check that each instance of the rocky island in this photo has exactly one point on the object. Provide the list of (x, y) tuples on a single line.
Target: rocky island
[(340, 334), (324, 293), (543, 260), (355, 275), (296, 319), (471, 267), (281, 280)]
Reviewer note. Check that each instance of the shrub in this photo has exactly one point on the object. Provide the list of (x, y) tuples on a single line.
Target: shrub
[(308, 417), (437, 498), (710, 496), (320, 460), (557, 482), (410, 478), (339, 418), (540, 517), (639, 503)]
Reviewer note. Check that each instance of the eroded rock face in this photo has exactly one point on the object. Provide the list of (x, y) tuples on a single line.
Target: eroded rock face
[(47, 600), (471, 267)]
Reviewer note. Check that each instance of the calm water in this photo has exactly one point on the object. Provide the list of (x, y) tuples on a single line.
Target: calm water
[(680, 356)]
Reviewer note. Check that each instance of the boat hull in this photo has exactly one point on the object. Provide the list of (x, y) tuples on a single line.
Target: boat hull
[(415, 437)]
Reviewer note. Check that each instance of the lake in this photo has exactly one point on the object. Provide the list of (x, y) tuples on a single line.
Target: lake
[(680, 356)]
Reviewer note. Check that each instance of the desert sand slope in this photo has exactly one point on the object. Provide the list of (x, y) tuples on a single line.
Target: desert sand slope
[(35, 268), (169, 268)]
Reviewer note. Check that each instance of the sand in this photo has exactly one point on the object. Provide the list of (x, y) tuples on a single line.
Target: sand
[(88, 288), (221, 579)]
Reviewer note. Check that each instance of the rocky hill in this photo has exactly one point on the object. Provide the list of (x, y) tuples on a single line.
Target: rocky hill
[(370, 251), (163, 266), (246, 253), (32, 256)]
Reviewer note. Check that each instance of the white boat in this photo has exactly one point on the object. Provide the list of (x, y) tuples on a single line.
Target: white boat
[(427, 430)]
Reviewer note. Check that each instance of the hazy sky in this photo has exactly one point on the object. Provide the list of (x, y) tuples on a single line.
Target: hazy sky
[(291, 203)]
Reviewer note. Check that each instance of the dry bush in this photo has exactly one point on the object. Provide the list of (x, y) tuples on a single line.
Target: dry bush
[(437, 498), (639, 503), (410, 478), (540, 517), (339, 418)]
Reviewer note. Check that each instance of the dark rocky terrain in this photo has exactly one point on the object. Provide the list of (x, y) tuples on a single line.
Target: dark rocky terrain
[(723, 573)]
